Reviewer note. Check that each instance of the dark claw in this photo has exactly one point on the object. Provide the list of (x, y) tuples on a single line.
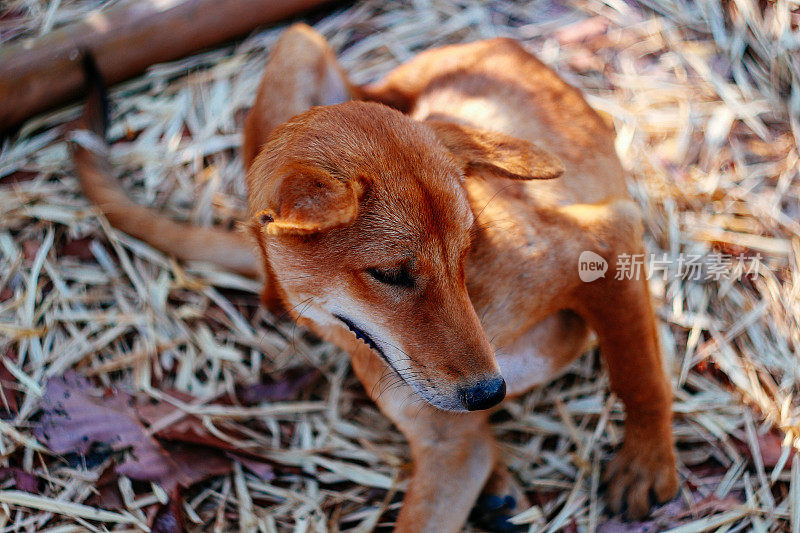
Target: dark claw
[(492, 512), (491, 503), (502, 525)]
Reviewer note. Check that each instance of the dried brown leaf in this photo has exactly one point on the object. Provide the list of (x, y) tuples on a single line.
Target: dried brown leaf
[(76, 416), (24, 481), (8, 386), (282, 386)]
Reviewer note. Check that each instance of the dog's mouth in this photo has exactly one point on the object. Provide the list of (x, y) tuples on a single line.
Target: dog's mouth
[(426, 392), (363, 336)]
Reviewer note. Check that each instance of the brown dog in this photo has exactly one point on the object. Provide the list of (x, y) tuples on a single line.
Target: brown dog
[(412, 236)]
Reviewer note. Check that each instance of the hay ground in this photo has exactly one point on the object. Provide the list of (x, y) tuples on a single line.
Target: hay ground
[(705, 98)]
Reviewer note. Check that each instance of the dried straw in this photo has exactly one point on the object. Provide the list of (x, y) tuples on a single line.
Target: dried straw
[(705, 98)]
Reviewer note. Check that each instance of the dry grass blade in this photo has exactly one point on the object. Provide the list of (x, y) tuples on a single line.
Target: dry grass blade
[(23, 499), (705, 98)]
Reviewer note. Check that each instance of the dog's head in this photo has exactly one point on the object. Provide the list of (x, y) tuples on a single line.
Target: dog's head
[(364, 221)]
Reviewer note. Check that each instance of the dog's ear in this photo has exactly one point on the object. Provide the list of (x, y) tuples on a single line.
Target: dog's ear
[(511, 157), (303, 199)]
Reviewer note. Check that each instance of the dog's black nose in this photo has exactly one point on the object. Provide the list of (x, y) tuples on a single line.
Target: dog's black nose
[(484, 394)]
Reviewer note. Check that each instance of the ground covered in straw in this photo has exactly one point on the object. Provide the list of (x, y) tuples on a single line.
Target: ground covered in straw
[(240, 420)]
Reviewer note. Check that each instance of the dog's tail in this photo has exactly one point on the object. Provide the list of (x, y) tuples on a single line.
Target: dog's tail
[(228, 249)]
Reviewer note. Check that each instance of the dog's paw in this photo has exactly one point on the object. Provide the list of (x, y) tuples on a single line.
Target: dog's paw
[(502, 498), (641, 470), (492, 512)]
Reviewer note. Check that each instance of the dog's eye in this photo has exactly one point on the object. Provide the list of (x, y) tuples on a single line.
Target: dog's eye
[(398, 276)]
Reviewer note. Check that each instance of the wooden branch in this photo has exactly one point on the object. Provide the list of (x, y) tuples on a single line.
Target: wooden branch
[(38, 74)]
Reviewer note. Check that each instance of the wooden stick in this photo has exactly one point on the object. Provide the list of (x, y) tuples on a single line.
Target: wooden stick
[(38, 74)]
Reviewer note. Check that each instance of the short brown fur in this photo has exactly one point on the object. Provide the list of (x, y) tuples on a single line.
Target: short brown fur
[(482, 187)]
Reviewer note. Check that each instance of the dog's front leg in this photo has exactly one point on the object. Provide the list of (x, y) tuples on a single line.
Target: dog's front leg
[(453, 453), (453, 456), (621, 314)]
